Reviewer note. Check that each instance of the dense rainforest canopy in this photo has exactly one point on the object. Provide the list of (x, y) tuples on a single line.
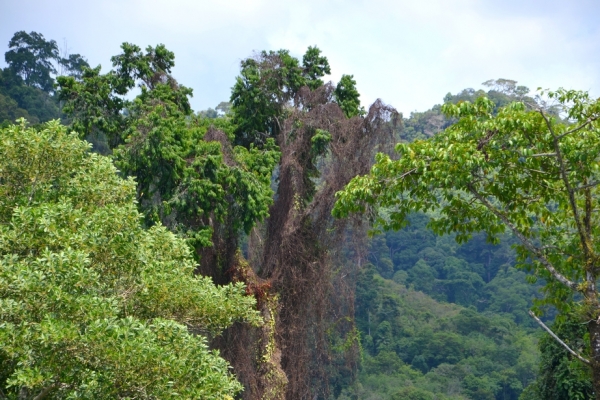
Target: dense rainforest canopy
[(148, 250)]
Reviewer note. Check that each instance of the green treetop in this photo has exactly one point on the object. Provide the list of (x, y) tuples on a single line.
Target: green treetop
[(347, 96), (190, 177), (267, 91), (31, 57)]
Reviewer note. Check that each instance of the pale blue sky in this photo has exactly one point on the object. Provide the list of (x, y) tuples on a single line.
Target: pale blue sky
[(408, 53)]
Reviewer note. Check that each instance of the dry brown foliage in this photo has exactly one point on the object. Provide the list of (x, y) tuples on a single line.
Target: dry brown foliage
[(302, 278)]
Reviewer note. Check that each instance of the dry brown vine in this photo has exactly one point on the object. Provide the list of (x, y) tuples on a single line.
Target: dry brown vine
[(298, 254)]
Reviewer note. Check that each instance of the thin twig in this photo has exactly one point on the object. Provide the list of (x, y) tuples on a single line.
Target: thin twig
[(543, 155), (585, 239), (539, 321), (587, 186), (536, 170), (406, 174)]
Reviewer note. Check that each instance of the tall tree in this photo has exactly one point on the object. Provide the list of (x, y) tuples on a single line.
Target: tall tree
[(29, 79), (32, 58), (295, 252), (523, 170)]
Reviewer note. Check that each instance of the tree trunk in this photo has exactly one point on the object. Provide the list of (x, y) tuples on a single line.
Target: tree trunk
[(594, 331)]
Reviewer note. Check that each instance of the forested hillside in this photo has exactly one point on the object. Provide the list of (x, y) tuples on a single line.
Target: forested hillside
[(291, 242)]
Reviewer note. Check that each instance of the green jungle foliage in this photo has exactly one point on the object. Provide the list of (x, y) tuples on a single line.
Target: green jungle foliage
[(474, 274), (189, 176), (265, 87), (561, 376), (27, 84), (520, 169), (91, 304), (423, 125), (477, 275), (18, 100), (416, 346), (97, 294)]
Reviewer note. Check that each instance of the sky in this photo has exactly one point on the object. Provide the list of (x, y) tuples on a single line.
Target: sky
[(408, 53)]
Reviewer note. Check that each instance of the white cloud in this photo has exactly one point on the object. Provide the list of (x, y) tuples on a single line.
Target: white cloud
[(406, 52)]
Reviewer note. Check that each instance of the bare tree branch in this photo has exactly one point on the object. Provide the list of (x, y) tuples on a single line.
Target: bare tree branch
[(539, 321), (583, 236), (586, 123), (526, 242), (543, 155), (404, 175), (45, 392), (589, 185)]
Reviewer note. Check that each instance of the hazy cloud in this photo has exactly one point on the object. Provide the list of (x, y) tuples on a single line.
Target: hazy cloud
[(408, 53)]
